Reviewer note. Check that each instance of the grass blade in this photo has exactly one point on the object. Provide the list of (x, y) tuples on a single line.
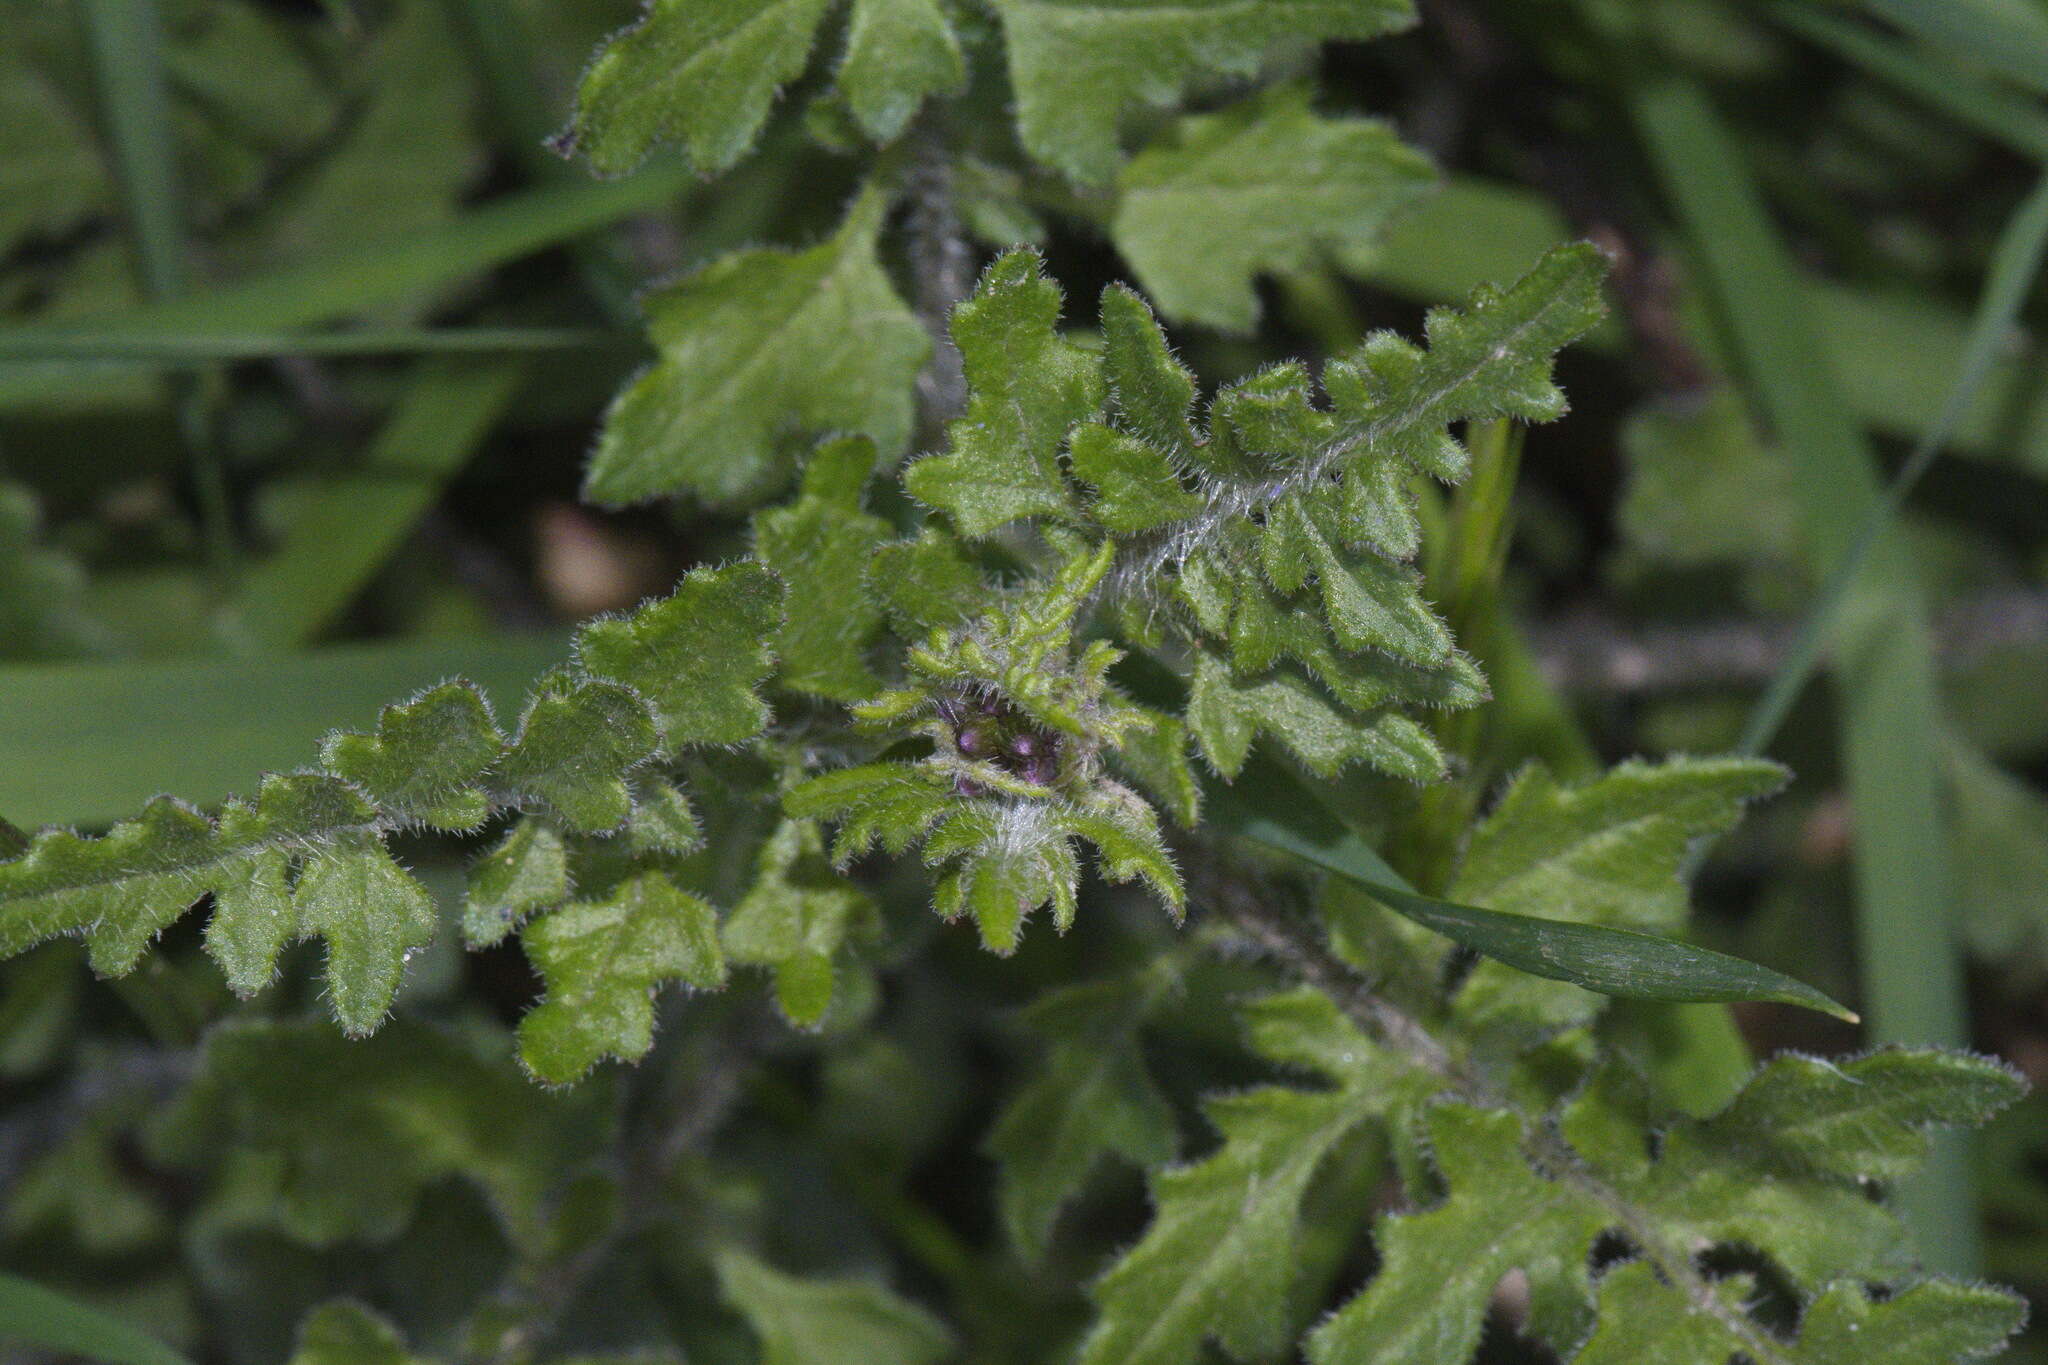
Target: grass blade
[(2008, 38), (1996, 113), (1889, 714), (2015, 265), (351, 526), (85, 744), (45, 1320), (201, 348), (1617, 962), (126, 39), (350, 283)]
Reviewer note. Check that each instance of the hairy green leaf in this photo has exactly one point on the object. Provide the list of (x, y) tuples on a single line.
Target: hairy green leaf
[(1265, 186), (527, 872), (800, 1321), (1218, 1257), (1091, 1099), (374, 917), (819, 546), (1028, 385), (699, 72), (898, 52), (795, 918), (1642, 1318), (601, 961), (1439, 1267), (451, 724), (755, 346), (1080, 66), (697, 655), (577, 741), (1609, 852)]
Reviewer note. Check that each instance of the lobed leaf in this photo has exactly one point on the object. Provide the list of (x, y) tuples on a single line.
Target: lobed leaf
[(1266, 186), (752, 347), (820, 546), (600, 961), (699, 72), (697, 655), (795, 918), (427, 758), (800, 1321), (1218, 1258), (1027, 387), (1092, 1098), (1079, 67), (898, 54)]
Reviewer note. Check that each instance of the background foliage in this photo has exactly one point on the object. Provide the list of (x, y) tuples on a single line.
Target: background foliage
[(938, 445)]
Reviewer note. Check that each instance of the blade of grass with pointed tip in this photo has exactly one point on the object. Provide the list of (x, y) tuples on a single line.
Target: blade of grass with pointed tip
[(1617, 962), (44, 1320), (86, 744), (1889, 715), (350, 526)]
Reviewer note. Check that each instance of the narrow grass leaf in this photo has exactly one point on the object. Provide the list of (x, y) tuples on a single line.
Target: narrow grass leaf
[(86, 744), (1616, 962), (42, 1319)]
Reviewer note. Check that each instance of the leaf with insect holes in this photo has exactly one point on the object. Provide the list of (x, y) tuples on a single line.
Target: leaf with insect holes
[(1080, 67), (699, 72), (1027, 386), (601, 961), (1642, 1318), (696, 655), (820, 546), (754, 348), (426, 759), (800, 1321), (1791, 1189), (1266, 186)]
